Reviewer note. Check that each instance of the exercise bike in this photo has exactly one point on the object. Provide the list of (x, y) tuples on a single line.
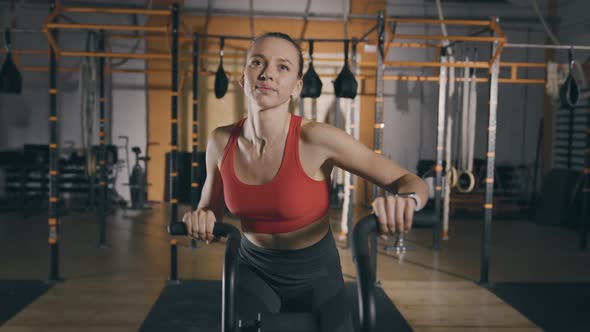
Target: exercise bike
[(366, 294), (138, 181)]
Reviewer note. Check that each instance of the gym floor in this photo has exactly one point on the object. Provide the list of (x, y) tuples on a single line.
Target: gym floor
[(114, 289)]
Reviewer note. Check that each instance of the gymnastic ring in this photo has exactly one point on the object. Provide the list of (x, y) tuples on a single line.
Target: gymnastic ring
[(465, 182), (452, 177)]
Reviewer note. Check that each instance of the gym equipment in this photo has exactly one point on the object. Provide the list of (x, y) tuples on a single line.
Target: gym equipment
[(451, 173), (447, 48), (345, 85), (569, 92), (350, 182), (221, 81), (88, 90), (451, 176), (10, 77), (365, 266), (138, 181), (465, 182), (465, 179), (184, 189), (126, 147), (312, 84)]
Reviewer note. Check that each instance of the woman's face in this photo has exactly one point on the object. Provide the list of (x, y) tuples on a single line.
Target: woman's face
[(270, 75)]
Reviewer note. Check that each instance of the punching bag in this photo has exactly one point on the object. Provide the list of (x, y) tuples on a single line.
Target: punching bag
[(10, 77), (312, 84), (221, 81), (569, 92), (345, 85)]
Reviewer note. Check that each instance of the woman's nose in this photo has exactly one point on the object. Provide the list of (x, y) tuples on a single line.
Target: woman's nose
[(267, 74)]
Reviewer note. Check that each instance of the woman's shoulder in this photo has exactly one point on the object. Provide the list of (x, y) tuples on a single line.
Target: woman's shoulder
[(221, 134), (312, 131), (324, 137), (218, 140)]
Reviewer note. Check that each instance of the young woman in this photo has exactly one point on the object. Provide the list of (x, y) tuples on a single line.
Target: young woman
[(272, 169)]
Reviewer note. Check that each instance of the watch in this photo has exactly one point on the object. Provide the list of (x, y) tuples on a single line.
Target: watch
[(413, 196)]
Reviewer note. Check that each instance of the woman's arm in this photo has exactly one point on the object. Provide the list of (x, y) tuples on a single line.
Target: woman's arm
[(349, 154), (212, 193)]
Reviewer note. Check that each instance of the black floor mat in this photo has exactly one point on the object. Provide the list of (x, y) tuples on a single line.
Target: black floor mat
[(195, 305), (15, 295), (558, 307), (388, 317)]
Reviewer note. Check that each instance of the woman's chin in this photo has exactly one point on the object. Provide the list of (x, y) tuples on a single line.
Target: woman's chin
[(264, 104)]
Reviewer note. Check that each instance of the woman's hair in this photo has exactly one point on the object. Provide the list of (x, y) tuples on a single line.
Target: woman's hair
[(290, 40)]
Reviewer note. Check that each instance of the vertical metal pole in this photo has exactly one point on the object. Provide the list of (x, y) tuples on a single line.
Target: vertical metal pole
[(586, 189), (195, 161), (570, 136), (53, 221), (440, 147), (103, 183), (195, 191), (173, 179), (379, 125), (491, 156), (352, 178)]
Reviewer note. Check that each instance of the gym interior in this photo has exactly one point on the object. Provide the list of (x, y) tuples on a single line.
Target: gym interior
[(106, 109)]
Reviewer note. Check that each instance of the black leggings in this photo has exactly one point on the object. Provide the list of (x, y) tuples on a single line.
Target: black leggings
[(302, 280)]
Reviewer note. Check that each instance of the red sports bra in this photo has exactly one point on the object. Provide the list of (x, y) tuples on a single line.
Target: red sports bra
[(290, 201)]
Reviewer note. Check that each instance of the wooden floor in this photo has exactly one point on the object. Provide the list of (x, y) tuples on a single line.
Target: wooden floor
[(113, 289)]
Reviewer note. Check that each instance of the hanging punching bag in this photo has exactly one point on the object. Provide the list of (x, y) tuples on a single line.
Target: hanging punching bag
[(345, 85), (569, 92), (221, 81), (10, 78), (312, 84)]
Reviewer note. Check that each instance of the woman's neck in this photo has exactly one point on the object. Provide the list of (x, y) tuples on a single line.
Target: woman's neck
[(266, 128)]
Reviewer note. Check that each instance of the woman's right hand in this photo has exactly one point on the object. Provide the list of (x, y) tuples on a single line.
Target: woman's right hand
[(199, 224)]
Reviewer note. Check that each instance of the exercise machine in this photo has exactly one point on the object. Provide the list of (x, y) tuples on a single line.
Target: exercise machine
[(273, 322), (138, 181)]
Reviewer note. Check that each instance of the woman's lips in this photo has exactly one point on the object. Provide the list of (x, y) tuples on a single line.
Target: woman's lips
[(264, 89)]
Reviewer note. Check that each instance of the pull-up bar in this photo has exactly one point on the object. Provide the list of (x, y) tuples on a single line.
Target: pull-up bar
[(543, 46), (74, 26), (434, 21), (153, 12)]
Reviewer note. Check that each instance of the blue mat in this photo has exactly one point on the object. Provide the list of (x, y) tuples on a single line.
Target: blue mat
[(15, 295), (559, 307), (195, 305)]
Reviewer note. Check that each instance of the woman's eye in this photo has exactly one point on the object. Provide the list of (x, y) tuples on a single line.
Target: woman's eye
[(283, 67), (256, 62)]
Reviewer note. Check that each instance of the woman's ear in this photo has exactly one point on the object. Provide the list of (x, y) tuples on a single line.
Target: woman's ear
[(241, 81), (297, 90)]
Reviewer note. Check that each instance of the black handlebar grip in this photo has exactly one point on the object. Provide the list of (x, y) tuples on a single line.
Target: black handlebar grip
[(177, 228), (219, 229)]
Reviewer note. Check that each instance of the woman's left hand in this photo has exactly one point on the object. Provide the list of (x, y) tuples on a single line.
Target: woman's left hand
[(394, 213)]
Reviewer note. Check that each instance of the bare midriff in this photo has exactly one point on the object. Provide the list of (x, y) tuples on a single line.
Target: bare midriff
[(298, 239)]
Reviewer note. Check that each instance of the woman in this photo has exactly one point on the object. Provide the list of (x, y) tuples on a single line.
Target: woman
[(272, 169)]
